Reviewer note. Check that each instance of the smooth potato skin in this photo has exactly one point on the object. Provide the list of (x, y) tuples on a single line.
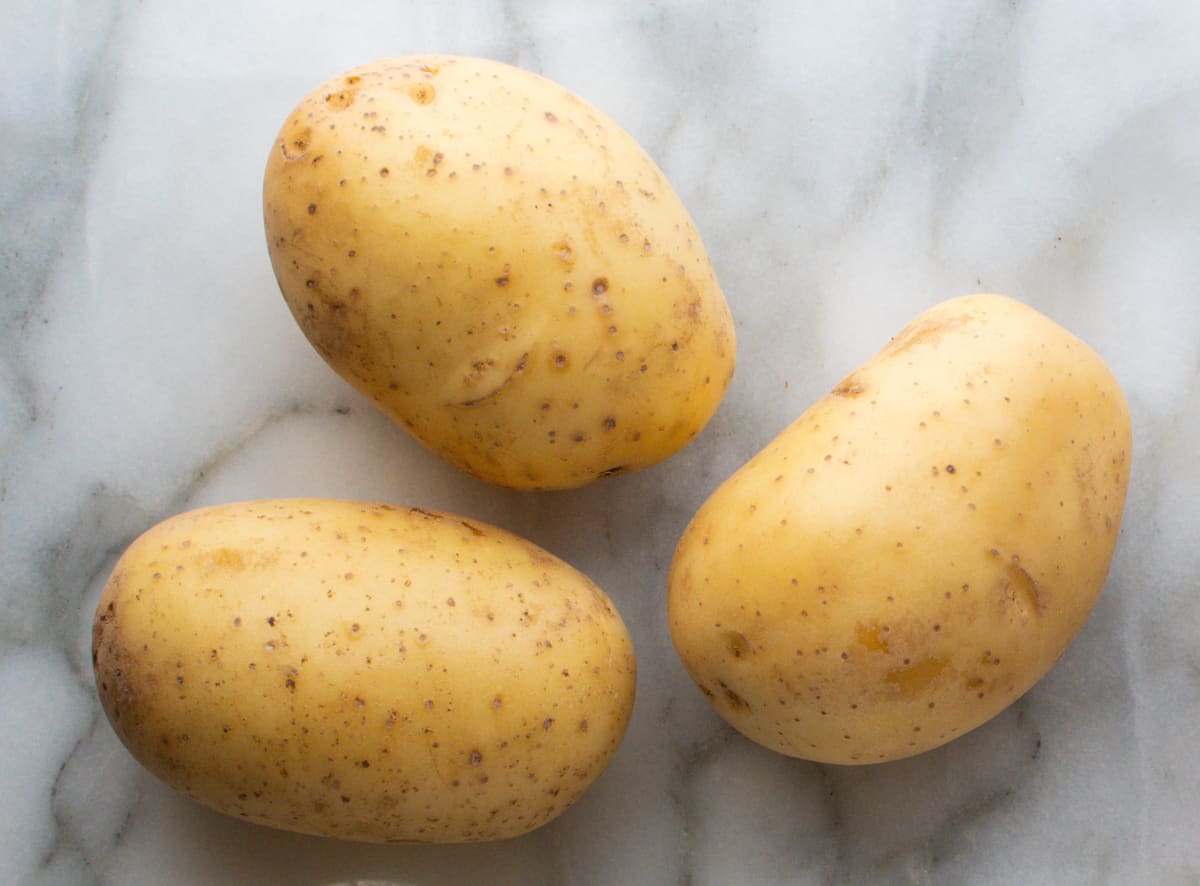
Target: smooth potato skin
[(499, 267), (918, 548), (362, 671)]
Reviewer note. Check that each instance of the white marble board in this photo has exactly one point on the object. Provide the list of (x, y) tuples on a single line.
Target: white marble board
[(848, 165)]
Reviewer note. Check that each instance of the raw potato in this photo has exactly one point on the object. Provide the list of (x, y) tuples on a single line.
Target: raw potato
[(499, 267), (918, 548), (361, 671)]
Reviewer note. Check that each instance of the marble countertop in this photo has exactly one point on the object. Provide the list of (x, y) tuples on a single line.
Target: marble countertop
[(848, 165)]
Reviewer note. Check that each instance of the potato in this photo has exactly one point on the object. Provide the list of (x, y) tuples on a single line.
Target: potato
[(362, 671), (499, 268), (917, 549)]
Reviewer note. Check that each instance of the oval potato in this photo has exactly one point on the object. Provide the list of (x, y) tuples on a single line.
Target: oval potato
[(499, 267), (362, 671), (918, 548)]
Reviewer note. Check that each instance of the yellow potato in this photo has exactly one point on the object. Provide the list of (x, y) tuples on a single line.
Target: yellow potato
[(499, 268), (918, 548), (361, 671)]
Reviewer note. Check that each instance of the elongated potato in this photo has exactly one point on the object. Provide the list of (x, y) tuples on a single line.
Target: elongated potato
[(918, 548), (499, 267), (362, 671)]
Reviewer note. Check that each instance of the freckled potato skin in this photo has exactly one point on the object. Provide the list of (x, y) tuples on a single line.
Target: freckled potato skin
[(361, 671), (499, 268), (918, 548)]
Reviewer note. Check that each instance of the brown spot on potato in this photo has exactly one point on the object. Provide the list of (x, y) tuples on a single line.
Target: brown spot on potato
[(912, 679), (344, 97), (226, 559), (733, 698), (872, 637), (422, 93), (736, 643), (295, 147), (849, 387)]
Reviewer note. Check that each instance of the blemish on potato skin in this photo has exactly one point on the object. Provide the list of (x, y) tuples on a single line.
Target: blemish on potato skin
[(737, 644), (295, 147), (912, 679), (343, 98), (849, 387), (422, 93), (733, 698), (925, 331), (872, 638), (1019, 584)]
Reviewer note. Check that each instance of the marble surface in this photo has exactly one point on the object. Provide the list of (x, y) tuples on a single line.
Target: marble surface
[(848, 165)]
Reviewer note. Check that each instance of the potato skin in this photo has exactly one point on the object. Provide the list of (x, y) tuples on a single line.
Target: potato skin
[(918, 548), (499, 268), (361, 671)]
